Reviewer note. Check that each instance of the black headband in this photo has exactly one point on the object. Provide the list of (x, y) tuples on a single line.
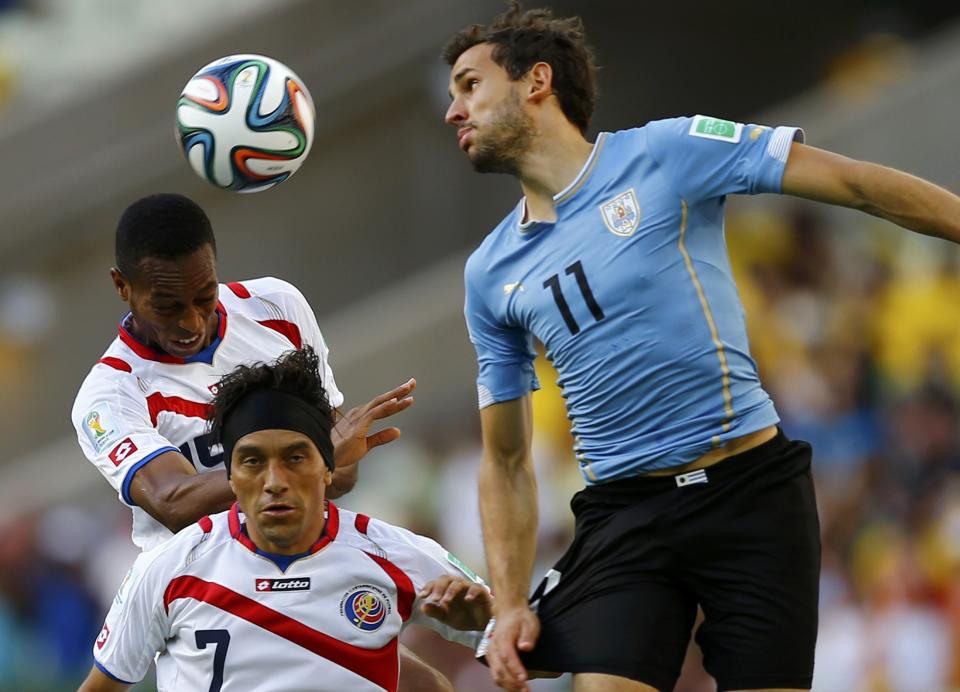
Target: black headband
[(271, 409)]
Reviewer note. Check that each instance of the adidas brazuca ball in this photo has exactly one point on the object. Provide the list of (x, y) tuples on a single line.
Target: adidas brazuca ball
[(245, 122)]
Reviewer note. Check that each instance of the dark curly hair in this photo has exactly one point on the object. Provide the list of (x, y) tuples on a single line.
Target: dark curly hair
[(520, 39), (162, 226), (296, 372)]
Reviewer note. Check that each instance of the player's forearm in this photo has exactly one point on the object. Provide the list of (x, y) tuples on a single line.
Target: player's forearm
[(508, 510), (908, 201), (344, 478), (183, 500), (96, 681)]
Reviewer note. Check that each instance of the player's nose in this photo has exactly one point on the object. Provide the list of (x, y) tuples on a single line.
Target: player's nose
[(275, 477), (192, 321), (456, 113)]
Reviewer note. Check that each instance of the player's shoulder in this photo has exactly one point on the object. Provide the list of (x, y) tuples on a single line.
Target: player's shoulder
[(386, 539), (113, 374), (479, 261), (164, 562), (193, 541), (265, 287), (653, 130)]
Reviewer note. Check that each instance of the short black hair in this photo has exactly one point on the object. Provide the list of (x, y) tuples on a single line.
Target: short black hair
[(163, 226), (520, 39), (296, 372)]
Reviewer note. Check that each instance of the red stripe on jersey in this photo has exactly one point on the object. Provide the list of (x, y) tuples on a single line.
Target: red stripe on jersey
[(379, 666), (116, 363), (405, 593), (361, 523), (330, 528), (157, 403), (206, 524), (145, 351), (148, 353), (239, 290), (236, 528), (288, 329), (222, 327)]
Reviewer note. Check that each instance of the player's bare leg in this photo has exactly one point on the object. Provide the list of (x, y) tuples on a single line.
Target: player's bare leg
[(418, 676), (599, 682)]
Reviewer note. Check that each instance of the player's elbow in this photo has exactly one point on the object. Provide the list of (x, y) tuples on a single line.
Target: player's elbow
[(344, 478), (173, 516), (510, 460), (169, 505)]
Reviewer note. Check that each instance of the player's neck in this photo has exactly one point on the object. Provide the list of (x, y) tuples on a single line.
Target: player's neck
[(550, 166)]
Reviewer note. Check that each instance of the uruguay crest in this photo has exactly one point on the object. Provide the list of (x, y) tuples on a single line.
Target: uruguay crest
[(622, 214)]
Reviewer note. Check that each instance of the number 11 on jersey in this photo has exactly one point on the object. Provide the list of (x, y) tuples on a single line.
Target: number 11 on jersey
[(553, 283)]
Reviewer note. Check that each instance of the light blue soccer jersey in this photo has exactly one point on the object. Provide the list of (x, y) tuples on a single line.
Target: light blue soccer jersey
[(632, 295)]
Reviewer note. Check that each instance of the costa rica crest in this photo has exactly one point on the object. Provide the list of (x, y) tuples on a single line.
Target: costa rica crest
[(365, 607), (622, 213)]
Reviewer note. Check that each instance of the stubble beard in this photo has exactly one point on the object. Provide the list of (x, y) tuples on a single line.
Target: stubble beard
[(503, 147)]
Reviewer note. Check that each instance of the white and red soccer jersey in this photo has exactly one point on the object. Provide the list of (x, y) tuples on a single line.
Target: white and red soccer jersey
[(137, 403), (224, 616)]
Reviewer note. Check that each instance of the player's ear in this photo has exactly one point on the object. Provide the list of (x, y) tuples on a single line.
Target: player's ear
[(540, 82), (232, 486), (120, 283), (327, 475)]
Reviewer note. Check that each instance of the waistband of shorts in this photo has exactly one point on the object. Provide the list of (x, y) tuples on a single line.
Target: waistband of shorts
[(725, 468)]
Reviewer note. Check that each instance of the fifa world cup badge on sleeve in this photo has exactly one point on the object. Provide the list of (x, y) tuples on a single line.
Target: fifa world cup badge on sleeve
[(98, 424), (716, 128)]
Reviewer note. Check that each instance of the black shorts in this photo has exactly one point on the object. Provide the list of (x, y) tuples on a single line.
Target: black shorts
[(744, 546)]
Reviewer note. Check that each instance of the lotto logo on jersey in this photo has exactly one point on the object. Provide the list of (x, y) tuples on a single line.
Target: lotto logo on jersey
[(102, 638), (366, 607), (295, 584), (122, 451)]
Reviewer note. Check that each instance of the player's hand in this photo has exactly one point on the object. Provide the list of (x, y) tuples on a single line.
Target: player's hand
[(516, 630), (457, 602), (351, 438)]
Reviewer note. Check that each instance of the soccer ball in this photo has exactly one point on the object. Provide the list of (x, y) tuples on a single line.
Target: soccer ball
[(245, 122)]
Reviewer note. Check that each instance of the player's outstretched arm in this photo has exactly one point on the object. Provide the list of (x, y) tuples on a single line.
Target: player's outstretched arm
[(457, 602), (508, 510), (171, 491), (899, 197), (351, 435), (98, 682), (416, 675)]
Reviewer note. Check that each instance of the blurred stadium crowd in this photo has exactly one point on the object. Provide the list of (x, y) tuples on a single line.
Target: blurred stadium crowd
[(854, 333)]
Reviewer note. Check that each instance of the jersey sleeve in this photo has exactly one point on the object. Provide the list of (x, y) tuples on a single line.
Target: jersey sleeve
[(137, 625), (299, 312), (705, 157), (505, 353), (114, 429), (423, 560)]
